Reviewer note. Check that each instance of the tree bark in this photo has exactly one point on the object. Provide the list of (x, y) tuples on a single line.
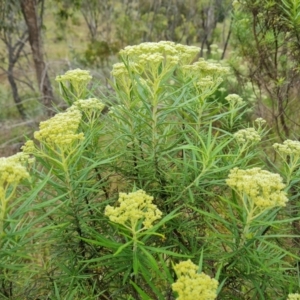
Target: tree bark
[(15, 93), (29, 11)]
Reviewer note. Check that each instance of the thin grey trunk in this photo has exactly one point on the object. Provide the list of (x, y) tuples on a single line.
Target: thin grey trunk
[(29, 8), (15, 92)]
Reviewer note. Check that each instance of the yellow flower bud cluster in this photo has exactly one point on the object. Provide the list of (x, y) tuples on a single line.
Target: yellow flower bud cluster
[(293, 297), (206, 83), (234, 100), (288, 147), (28, 147), (263, 188), (153, 61), (191, 285), (148, 56), (134, 207), (156, 52), (77, 78), (77, 75), (247, 135), (260, 121), (89, 105), (145, 59), (12, 171), (120, 69), (205, 75), (61, 129), (205, 68)]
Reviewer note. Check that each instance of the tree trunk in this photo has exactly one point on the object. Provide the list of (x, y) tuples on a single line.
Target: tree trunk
[(29, 11), (15, 92)]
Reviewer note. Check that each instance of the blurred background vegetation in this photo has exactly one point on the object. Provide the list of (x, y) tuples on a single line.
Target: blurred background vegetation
[(41, 39)]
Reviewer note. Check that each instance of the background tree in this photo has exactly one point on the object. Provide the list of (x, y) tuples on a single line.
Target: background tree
[(14, 37), (33, 22), (266, 37)]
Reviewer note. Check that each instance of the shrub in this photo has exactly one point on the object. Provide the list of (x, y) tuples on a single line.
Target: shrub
[(166, 193)]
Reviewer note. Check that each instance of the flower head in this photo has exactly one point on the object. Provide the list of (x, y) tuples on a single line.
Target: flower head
[(12, 170), (133, 207), (156, 52), (247, 135), (260, 121), (77, 78), (28, 147), (89, 105), (203, 68), (61, 130), (288, 147), (293, 297), (263, 188), (190, 285), (77, 75), (234, 100)]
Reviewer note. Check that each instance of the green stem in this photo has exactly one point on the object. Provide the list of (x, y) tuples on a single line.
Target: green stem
[(195, 180), (3, 208), (244, 147)]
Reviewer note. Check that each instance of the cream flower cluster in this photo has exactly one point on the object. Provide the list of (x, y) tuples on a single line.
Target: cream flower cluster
[(293, 297), (288, 147), (260, 121), (77, 75), (134, 207), (247, 135), (121, 69), (191, 285), (206, 68), (206, 75), (156, 52), (61, 129), (155, 60), (264, 188), (234, 100), (90, 104), (148, 56), (12, 171), (77, 78)]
